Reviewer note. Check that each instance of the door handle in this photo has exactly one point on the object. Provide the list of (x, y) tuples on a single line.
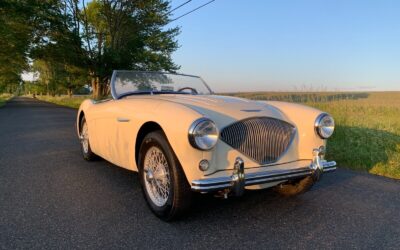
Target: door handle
[(121, 119)]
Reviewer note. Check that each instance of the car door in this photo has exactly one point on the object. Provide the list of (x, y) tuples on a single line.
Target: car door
[(129, 115), (115, 129)]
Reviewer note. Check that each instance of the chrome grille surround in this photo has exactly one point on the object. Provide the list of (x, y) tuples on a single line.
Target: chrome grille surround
[(263, 139)]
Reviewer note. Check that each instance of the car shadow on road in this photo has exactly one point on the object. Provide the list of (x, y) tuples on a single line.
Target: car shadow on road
[(254, 200), (207, 206)]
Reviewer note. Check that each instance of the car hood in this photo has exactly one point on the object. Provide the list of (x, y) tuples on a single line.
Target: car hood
[(224, 109)]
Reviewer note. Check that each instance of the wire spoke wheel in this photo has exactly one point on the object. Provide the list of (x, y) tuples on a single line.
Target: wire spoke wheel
[(85, 138), (156, 176)]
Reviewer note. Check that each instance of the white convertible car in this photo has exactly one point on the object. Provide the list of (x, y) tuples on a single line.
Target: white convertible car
[(182, 138)]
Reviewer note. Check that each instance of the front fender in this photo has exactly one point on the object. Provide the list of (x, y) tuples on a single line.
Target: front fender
[(175, 120)]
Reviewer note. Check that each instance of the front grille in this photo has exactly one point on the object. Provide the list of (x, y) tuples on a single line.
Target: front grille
[(263, 139)]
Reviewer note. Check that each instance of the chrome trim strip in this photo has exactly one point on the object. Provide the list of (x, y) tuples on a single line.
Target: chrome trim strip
[(278, 178), (250, 177), (121, 119), (328, 166), (112, 85), (221, 183), (255, 176), (258, 167), (210, 188), (330, 169)]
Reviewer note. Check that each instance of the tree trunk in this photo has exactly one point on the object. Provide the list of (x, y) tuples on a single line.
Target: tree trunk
[(106, 89), (95, 88), (69, 92)]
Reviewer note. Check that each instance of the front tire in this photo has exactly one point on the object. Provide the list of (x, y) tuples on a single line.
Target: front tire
[(164, 183), (296, 187), (85, 144)]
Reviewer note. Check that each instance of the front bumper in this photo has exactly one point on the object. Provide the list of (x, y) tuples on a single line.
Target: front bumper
[(239, 179)]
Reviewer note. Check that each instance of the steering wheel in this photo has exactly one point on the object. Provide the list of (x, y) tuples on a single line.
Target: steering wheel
[(194, 91)]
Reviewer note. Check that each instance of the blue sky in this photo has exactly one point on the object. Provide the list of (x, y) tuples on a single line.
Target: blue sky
[(238, 45)]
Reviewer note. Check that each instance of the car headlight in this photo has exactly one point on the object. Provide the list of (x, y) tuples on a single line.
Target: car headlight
[(324, 125), (203, 134)]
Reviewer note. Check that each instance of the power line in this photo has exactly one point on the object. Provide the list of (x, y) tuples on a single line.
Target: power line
[(179, 6), (187, 13)]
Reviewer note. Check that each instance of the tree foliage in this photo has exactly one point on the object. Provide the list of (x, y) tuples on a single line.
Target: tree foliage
[(14, 42), (72, 43)]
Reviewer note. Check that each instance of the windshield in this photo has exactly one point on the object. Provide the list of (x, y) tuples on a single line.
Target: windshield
[(124, 83)]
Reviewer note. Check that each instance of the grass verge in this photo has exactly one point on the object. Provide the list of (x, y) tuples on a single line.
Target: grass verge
[(4, 98), (72, 102)]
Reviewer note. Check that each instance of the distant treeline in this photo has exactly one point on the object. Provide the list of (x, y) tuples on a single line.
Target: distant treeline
[(300, 97)]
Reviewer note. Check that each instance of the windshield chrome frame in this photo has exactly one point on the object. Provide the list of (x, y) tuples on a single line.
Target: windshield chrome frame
[(113, 91)]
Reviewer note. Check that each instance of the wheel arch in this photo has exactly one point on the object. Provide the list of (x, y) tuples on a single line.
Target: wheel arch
[(175, 126), (82, 113), (80, 118), (145, 129)]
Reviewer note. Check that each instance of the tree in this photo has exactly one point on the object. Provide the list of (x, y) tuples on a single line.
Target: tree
[(71, 41), (58, 56), (121, 34), (14, 41), (26, 26)]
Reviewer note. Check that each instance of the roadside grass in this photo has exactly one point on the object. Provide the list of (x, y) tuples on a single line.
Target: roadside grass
[(64, 100), (367, 135), (4, 98)]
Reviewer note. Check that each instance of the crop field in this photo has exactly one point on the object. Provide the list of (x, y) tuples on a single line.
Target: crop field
[(367, 135)]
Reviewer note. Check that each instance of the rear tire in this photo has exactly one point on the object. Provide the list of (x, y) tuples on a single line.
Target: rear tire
[(85, 144), (164, 183), (295, 188)]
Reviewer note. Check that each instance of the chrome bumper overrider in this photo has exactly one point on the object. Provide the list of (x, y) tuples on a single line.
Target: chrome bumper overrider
[(239, 179)]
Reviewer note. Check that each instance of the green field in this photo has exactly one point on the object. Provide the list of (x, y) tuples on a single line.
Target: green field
[(367, 135)]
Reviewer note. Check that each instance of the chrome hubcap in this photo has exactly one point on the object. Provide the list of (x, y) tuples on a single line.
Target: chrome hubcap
[(149, 176), (157, 178), (85, 138)]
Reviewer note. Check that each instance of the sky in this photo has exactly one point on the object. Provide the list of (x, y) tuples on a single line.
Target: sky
[(291, 45)]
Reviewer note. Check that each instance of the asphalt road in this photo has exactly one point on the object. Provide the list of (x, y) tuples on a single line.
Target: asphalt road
[(51, 198)]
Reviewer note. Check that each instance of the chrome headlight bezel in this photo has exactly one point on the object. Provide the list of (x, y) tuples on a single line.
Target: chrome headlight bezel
[(324, 125), (201, 141)]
